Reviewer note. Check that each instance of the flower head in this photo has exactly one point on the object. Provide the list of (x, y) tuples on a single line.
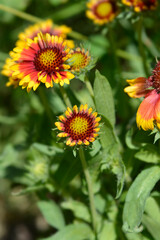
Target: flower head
[(79, 59), (141, 5), (80, 126), (148, 112), (101, 11), (44, 27), (42, 60), (7, 71)]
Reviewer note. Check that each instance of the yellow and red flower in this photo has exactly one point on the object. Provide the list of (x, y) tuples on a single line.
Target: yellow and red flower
[(79, 59), (7, 71), (80, 126), (44, 27), (148, 112), (141, 5), (42, 60), (102, 11)]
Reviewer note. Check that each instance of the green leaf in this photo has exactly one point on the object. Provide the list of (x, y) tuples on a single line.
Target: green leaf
[(152, 226), (149, 153), (129, 140), (52, 213), (108, 230), (47, 150), (104, 98), (107, 136), (68, 169), (136, 198), (78, 208), (151, 219), (78, 231)]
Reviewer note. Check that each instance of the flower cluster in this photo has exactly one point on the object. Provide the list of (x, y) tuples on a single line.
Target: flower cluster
[(141, 5), (43, 55), (148, 112)]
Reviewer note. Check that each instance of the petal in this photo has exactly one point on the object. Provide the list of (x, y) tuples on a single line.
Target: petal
[(137, 88), (146, 111)]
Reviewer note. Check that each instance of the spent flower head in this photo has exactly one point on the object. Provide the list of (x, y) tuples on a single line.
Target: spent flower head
[(44, 59), (80, 126)]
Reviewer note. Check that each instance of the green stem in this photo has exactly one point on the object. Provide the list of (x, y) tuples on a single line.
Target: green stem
[(20, 14), (65, 97), (90, 190), (113, 46), (45, 103), (89, 87), (141, 47), (128, 56)]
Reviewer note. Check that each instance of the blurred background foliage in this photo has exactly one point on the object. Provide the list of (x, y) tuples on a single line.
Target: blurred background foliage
[(34, 168)]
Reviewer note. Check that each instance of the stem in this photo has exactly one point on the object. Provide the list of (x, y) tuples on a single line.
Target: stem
[(141, 47), (90, 189), (114, 51), (89, 86), (65, 96), (20, 14), (45, 103)]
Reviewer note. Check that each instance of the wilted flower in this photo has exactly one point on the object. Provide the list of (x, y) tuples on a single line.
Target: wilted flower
[(42, 60), (149, 110), (101, 11), (80, 126), (141, 5)]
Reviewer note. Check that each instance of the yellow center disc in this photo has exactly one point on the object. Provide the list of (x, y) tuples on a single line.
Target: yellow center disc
[(103, 9), (79, 125)]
